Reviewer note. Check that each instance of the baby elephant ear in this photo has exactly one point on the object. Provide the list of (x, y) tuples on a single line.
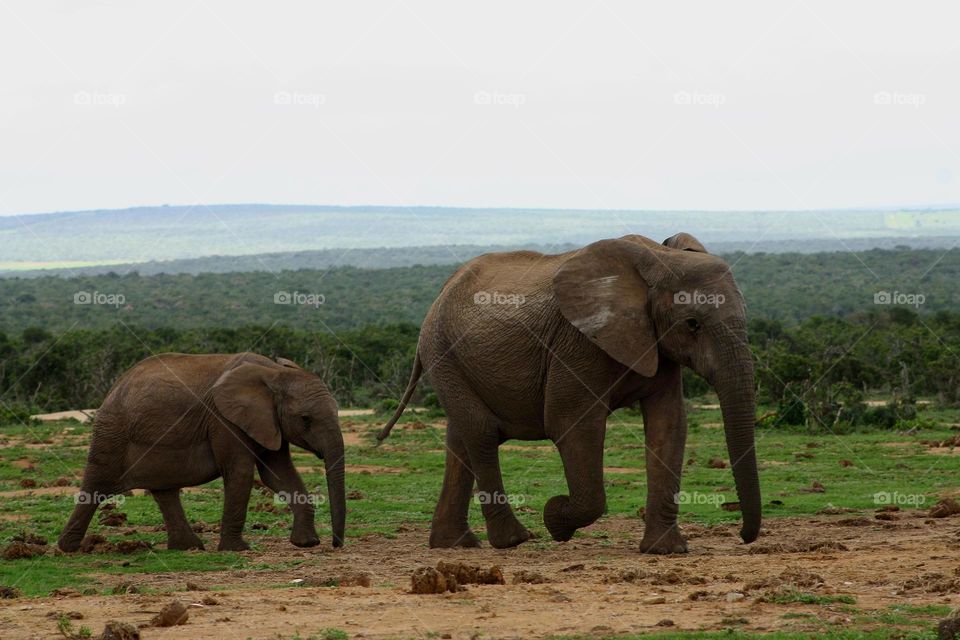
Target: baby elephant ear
[(684, 242), (601, 292), (244, 396)]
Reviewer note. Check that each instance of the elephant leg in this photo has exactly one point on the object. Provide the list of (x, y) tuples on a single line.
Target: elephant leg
[(77, 525), (450, 527), (665, 434), (581, 450), (503, 528), (94, 490), (237, 483), (277, 472), (180, 534)]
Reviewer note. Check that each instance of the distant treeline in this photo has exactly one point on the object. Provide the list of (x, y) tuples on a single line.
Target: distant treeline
[(787, 287), (815, 373)]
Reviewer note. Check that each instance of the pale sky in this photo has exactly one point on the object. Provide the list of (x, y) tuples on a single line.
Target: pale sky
[(593, 104)]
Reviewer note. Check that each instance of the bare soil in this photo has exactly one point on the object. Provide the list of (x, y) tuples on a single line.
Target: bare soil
[(596, 584)]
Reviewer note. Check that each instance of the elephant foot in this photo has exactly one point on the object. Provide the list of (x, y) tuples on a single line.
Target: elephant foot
[(441, 539), (663, 542), (304, 538), (69, 545), (236, 544), (562, 520), (185, 543), (504, 536)]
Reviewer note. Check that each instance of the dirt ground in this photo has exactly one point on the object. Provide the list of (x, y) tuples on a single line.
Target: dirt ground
[(596, 585)]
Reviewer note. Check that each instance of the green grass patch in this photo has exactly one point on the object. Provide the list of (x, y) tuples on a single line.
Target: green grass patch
[(857, 471), (800, 597)]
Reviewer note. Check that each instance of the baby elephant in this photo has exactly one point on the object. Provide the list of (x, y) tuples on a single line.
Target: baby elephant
[(176, 420)]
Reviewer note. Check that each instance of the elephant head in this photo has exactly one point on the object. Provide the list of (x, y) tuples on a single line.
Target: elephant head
[(640, 301), (281, 404)]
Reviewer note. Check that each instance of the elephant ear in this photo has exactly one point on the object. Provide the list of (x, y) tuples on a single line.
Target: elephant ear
[(290, 364), (244, 395), (684, 242), (602, 293)]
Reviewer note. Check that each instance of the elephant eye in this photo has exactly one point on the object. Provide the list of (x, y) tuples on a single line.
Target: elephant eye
[(693, 324)]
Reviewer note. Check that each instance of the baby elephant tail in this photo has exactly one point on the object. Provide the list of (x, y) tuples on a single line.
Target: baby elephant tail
[(414, 378)]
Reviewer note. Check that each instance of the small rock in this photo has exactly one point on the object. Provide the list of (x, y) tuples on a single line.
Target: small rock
[(113, 518), (528, 577), (945, 508), (132, 546), (125, 587), (948, 629), (734, 596), (30, 538), (9, 593), (429, 580), (666, 622), (654, 600), (193, 586), (171, 615), (119, 631), (69, 615), (19, 550), (209, 601), (471, 574)]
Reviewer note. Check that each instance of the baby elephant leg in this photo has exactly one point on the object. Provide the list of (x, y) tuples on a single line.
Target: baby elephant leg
[(277, 472), (237, 483)]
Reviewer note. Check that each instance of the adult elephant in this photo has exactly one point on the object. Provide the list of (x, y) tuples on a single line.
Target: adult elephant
[(528, 346)]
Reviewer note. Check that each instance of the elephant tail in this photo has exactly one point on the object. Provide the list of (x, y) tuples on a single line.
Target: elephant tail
[(414, 378)]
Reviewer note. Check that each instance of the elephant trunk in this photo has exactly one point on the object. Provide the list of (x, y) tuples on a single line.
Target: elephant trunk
[(334, 464), (735, 388)]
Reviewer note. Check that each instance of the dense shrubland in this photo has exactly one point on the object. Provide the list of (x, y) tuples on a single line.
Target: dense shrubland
[(817, 373), (822, 346)]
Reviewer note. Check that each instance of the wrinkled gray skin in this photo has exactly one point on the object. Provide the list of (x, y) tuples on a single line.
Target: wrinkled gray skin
[(177, 420), (596, 329)]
